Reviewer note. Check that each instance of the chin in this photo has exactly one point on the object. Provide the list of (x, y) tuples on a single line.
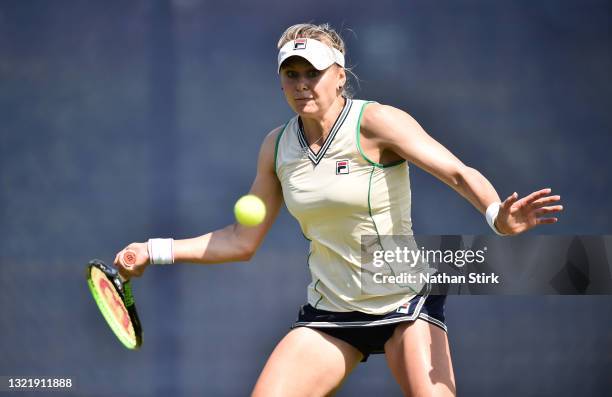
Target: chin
[(309, 108)]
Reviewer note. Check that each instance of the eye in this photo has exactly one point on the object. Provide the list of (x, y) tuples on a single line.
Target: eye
[(291, 74), (313, 73)]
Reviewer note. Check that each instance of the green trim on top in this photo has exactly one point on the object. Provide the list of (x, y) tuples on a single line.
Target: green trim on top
[(370, 205), (308, 264), (321, 297), (318, 280), (372, 217), (278, 137), (357, 138)]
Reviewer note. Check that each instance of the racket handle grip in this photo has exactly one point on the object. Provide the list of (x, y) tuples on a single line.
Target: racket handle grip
[(128, 260)]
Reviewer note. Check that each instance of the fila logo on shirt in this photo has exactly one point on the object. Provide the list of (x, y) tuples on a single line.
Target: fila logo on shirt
[(299, 44), (342, 167)]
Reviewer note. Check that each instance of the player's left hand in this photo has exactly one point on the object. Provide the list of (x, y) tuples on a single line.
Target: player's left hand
[(519, 215)]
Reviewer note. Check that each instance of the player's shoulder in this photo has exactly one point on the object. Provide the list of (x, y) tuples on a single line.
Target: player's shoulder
[(378, 112), (377, 118), (272, 136), (275, 132), (268, 147)]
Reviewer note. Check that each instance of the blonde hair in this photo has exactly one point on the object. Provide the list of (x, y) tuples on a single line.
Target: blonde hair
[(323, 33)]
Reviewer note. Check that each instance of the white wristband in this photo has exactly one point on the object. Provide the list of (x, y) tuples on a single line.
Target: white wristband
[(491, 215), (161, 251)]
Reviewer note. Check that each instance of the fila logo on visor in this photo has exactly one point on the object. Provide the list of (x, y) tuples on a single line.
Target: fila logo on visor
[(299, 44), (342, 167)]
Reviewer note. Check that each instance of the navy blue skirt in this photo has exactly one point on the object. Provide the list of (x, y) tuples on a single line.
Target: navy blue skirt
[(368, 332)]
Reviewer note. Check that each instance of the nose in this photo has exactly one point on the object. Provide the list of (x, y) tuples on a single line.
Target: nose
[(302, 84)]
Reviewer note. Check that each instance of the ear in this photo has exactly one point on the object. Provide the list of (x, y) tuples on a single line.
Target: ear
[(341, 77)]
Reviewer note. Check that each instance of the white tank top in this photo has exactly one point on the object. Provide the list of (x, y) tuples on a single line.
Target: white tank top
[(337, 195)]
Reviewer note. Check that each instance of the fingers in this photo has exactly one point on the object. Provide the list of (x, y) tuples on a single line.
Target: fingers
[(546, 201), (509, 201), (131, 261), (120, 258), (125, 271), (536, 195), (535, 206), (544, 221), (537, 199), (125, 275), (548, 210)]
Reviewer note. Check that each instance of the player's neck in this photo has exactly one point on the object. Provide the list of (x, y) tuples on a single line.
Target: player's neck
[(317, 128)]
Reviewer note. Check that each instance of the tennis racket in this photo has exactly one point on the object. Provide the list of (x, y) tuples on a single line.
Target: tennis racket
[(114, 298)]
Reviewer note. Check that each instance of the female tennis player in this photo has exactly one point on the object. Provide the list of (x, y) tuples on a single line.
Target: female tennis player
[(340, 167)]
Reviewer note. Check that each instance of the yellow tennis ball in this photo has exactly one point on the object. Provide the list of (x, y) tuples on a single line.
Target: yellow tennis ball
[(250, 210)]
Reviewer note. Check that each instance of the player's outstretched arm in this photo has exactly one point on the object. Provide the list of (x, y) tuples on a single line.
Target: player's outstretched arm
[(233, 242), (395, 130)]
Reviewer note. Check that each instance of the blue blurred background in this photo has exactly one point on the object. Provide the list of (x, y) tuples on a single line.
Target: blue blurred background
[(121, 121)]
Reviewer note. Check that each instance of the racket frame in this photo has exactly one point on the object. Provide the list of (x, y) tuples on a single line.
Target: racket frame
[(124, 290)]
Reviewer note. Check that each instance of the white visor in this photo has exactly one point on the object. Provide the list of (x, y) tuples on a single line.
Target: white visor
[(320, 55)]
